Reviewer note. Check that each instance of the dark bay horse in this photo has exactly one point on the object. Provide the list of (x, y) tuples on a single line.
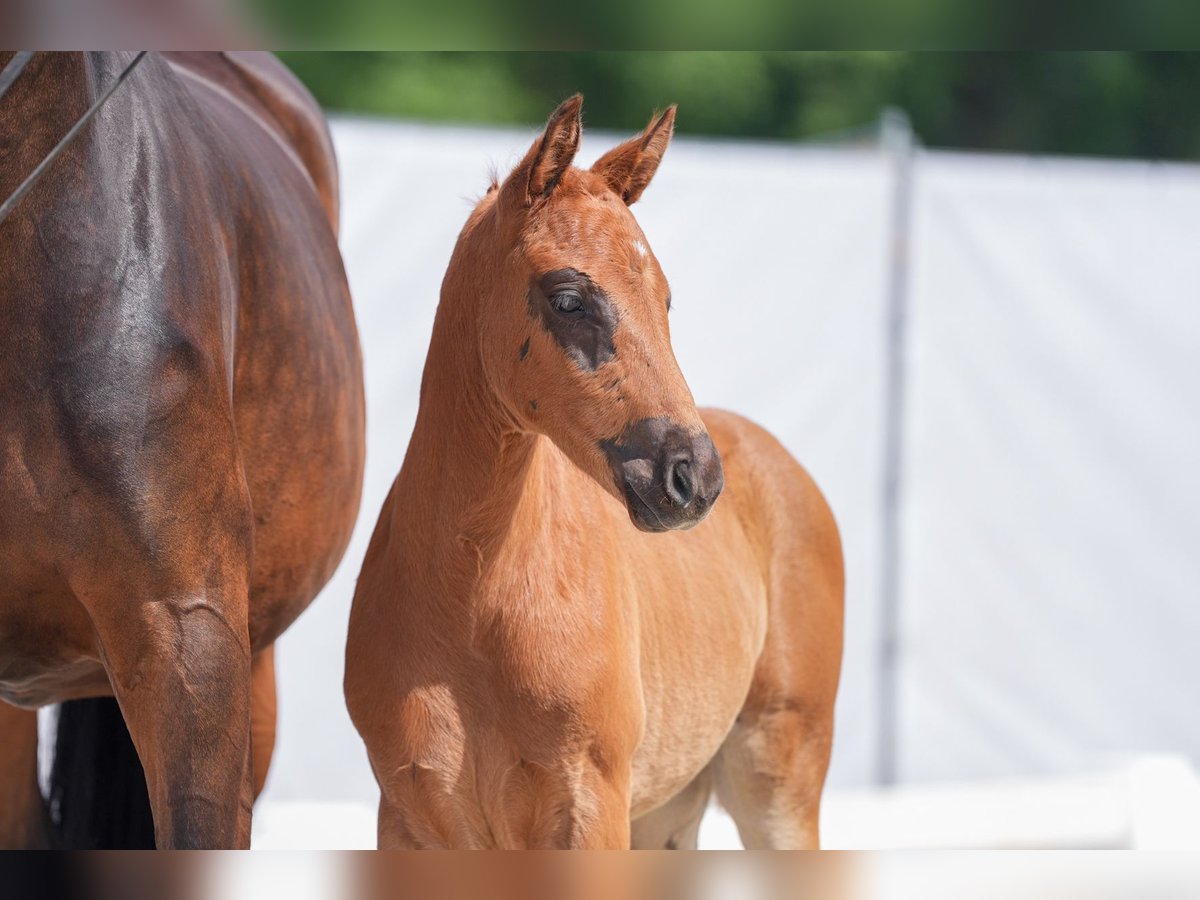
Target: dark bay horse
[(560, 637), (181, 434)]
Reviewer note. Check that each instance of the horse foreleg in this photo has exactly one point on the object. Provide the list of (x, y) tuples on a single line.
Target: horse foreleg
[(22, 812), (262, 715), (180, 669), (608, 825)]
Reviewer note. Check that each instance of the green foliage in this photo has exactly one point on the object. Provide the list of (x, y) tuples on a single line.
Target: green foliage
[(1110, 103)]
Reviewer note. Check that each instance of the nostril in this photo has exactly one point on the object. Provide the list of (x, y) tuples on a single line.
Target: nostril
[(681, 486)]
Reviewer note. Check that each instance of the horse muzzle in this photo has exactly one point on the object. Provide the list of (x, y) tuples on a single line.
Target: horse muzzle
[(669, 477)]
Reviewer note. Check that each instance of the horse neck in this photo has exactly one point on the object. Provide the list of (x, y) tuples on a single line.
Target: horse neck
[(469, 471)]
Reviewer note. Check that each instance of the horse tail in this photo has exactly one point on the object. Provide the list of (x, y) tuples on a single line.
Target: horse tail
[(98, 797)]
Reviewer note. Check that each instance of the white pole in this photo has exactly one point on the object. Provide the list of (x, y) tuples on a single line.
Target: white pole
[(897, 141)]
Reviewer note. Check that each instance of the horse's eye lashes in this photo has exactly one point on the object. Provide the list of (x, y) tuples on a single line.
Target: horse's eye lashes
[(567, 302)]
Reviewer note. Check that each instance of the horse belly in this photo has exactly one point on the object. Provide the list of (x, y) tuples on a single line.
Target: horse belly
[(48, 651), (700, 643)]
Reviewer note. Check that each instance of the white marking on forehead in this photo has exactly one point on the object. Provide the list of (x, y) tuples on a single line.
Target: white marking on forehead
[(640, 248)]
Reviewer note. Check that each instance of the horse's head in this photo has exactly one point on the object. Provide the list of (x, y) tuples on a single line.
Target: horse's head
[(573, 322)]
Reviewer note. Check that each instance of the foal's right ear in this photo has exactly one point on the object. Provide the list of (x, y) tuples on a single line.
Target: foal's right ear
[(549, 157)]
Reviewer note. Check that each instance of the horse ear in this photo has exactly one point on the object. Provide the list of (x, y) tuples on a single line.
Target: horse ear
[(550, 156), (629, 167)]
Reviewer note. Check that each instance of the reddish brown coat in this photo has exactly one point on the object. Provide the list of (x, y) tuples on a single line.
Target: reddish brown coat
[(181, 447), (528, 666)]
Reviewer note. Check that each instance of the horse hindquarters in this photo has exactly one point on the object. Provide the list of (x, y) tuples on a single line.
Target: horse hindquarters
[(770, 771), (162, 545), (179, 664)]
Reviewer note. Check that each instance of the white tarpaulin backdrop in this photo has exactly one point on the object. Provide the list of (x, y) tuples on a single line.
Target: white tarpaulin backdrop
[(1050, 596), (1050, 501)]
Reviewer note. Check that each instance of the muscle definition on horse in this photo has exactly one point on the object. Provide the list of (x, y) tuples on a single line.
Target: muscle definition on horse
[(181, 448), (560, 636)]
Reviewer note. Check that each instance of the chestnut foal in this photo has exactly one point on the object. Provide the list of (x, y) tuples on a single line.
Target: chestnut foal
[(527, 668)]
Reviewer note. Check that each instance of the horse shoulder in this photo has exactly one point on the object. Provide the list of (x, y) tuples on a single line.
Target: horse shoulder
[(765, 478), (797, 538)]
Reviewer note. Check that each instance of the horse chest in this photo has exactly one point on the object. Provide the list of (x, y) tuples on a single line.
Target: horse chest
[(699, 646), (550, 632), (480, 763)]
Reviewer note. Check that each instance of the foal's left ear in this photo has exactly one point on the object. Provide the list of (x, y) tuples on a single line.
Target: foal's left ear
[(629, 167)]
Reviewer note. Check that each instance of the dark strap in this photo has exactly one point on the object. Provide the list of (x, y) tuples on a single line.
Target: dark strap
[(15, 66), (45, 164)]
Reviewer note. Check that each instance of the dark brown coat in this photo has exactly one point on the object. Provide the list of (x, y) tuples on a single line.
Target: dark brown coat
[(181, 436)]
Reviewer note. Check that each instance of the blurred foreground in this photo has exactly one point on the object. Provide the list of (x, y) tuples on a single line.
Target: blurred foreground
[(652, 876), (1153, 804)]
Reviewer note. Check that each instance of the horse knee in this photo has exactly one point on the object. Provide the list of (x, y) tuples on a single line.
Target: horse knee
[(795, 742)]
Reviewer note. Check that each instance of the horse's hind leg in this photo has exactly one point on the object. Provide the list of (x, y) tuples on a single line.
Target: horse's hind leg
[(180, 669), (174, 639), (23, 824), (676, 824), (770, 770), (769, 776), (262, 715)]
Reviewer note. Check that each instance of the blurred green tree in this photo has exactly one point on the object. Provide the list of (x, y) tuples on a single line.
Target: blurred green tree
[(1104, 103)]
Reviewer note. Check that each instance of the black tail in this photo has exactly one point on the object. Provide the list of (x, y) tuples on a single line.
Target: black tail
[(98, 798)]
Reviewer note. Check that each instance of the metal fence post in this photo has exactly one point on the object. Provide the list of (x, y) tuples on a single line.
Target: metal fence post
[(897, 141)]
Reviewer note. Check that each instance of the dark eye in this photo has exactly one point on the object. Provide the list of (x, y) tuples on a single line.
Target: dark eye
[(568, 303)]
